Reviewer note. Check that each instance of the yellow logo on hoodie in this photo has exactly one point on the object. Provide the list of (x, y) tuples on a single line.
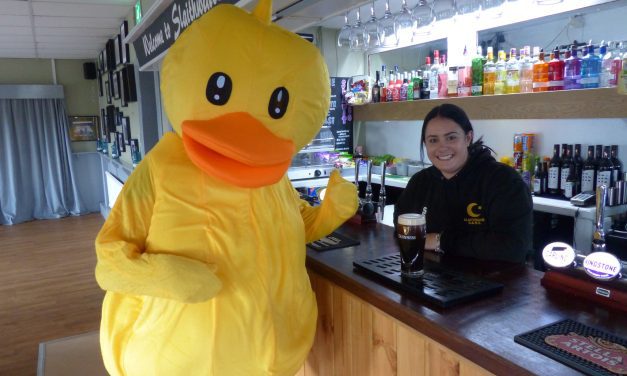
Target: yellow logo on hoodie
[(475, 217)]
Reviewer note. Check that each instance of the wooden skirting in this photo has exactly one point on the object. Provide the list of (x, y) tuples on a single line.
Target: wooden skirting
[(355, 338)]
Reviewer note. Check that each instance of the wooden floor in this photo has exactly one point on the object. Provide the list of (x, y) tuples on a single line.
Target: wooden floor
[(47, 287)]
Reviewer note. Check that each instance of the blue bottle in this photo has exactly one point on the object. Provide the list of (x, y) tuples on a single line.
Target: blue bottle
[(572, 70), (590, 68)]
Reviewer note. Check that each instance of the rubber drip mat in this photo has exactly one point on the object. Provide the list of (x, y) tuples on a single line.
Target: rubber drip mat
[(332, 241), (445, 288), (586, 349)]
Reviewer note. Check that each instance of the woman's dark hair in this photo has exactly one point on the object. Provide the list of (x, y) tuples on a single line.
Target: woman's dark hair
[(456, 114)]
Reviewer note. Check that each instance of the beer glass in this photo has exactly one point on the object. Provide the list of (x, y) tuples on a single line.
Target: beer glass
[(410, 235)]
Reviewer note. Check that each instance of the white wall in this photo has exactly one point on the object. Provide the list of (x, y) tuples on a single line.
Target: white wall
[(401, 138)]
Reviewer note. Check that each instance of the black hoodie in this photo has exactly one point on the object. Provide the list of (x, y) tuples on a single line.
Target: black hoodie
[(483, 212)]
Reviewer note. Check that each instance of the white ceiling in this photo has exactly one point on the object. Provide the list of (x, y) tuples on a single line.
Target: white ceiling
[(62, 29)]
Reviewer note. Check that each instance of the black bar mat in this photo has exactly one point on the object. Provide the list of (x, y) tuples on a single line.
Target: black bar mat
[(586, 349), (332, 241), (445, 288)]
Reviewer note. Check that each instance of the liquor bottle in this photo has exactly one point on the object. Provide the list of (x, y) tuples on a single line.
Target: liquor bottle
[(618, 165), (417, 85), (384, 85), (572, 70), (512, 83), (526, 71), (464, 76), (617, 63), (540, 73), (571, 186), (452, 81), (605, 175), (589, 173), (622, 76), (410, 86), (538, 179), (606, 66), (489, 73), (433, 75), (556, 71), (554, 171), (443, 78), (398, 83), (477, 65), (565, 165), (403, 88), (390, 87), (425, 93), (578, 164), (376, 89), (590, 68), (501, 74)]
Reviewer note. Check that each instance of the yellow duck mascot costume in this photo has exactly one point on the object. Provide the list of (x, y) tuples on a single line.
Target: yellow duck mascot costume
[(203, 254)]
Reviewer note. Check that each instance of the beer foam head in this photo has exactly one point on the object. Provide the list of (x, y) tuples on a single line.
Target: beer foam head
[(411, 219)]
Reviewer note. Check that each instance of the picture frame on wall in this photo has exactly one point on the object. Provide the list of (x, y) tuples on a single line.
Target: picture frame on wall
[(101, 61), (83, 128), (105, 65), (103, 124), (108, 90), (126, 129), (116, 89), (128, 83), (124, 49), (121, 144), (116, 47), (118, 84), (111, 55), (100, 91)]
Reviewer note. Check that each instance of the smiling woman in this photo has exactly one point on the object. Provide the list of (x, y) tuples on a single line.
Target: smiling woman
[(475, 206)]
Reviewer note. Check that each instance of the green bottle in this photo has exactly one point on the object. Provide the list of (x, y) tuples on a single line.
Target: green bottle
[(477, 72)]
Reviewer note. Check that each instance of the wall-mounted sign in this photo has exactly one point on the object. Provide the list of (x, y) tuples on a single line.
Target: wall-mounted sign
[(340, 116), (167, 27), (602, 266)]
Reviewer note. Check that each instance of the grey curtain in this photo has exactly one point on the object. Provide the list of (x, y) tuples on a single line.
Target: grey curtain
[(37, 180)]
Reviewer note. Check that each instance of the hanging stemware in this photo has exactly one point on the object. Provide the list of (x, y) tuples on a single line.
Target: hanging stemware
[(423, 17), (404, 25), (373, 30), (388, 36), (358, 34), (343, 37), (444, 9)]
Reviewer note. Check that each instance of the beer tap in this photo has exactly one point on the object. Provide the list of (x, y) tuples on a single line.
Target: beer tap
[(368, 194), (357, 160), (598, 238), (382, 195), (367, 207)]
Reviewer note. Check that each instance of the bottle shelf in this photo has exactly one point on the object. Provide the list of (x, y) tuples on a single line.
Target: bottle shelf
[(569, 104)]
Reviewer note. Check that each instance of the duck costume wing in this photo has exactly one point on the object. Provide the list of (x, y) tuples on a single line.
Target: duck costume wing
[(203, 254)]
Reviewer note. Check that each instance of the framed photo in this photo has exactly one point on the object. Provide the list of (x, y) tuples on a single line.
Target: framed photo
[(124, 51), (108, 90), (101, 61), (103, 125), (100, 91), (120, 116), (105, 61), (83, 128), (116, 85), (116, 50), (126, 129), (121, 144)]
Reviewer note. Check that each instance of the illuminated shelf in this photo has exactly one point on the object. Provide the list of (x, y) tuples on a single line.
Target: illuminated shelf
[(570, 104)]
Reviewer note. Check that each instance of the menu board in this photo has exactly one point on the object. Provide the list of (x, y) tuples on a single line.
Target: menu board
[(340, 116)]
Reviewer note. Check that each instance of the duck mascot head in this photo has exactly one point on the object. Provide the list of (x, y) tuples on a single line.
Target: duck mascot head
[(203, 255)]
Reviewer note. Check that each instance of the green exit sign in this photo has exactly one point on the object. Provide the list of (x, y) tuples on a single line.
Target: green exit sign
[(138, 12)]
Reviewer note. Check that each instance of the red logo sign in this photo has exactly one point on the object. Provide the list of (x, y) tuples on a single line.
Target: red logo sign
[(608, 355)]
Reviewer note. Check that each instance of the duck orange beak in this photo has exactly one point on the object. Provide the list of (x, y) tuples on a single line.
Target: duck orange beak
[(238, 149)]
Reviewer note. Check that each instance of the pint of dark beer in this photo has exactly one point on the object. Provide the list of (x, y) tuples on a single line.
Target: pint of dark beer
[(410, 235)]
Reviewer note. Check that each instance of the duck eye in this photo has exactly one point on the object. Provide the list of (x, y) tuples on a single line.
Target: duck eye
[(278, 103), (219, 88)]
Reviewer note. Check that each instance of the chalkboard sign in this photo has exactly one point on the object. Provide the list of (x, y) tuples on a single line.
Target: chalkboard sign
[(340, 116), (167, 27)]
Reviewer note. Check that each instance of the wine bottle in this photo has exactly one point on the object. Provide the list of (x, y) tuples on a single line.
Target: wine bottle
[(376, 89), (588, 174), (605, 172), (578, 164), (571, 186), (565, 165), (618, 166), (554, 171), (545, 175), (538, 183)]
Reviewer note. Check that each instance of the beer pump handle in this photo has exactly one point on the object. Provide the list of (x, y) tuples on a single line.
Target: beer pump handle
[(368, 195), (598, 238), (382, 195), (357, 160)]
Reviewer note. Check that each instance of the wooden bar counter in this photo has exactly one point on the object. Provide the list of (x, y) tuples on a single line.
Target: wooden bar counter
[(366, 327)]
